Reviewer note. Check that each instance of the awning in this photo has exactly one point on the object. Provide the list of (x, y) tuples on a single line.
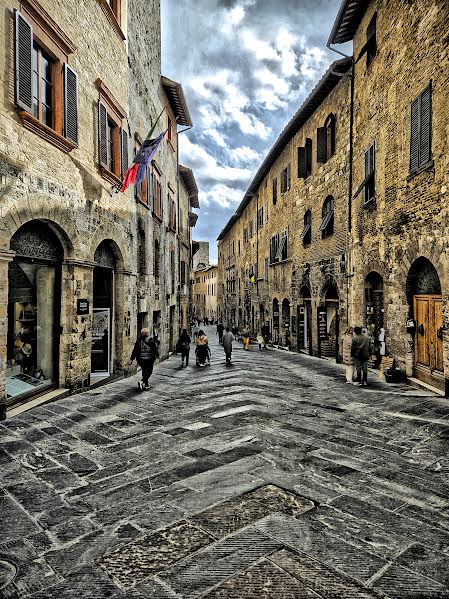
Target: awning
[(305, 231), (175, 95), (190, 184)]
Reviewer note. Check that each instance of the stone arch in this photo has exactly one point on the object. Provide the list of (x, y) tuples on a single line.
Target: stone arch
[(111, 233), (422, 279), (67, 240), (328, 286)]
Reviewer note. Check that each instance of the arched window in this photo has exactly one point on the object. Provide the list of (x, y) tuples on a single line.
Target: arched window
[(306, 235), (327, 224)]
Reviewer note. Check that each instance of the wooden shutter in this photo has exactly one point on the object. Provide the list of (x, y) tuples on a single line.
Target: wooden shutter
[(102, 134), (70, 96), (124, 154), (425, 133), (23, 62), (414, 135), (321, 144), (302, 166), (308, 156)]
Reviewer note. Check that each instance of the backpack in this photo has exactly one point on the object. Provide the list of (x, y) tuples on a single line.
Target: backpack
[(146, 351)]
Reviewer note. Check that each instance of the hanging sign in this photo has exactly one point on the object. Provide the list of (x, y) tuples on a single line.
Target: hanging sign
[(322, 323)]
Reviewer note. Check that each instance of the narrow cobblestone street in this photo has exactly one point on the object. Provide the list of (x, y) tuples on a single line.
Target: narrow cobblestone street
[(266, 478)]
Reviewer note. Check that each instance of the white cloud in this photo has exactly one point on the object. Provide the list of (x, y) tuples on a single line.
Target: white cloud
[(222, 195), (261, 48), (243, 155)]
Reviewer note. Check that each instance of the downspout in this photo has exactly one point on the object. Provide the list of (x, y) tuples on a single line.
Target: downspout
[(350, 182), (179, 244)]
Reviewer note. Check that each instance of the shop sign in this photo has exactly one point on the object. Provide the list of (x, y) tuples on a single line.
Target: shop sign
[(322, 323), (82, 307)]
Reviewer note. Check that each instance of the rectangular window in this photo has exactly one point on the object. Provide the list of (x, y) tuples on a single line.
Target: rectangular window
[(183, 272), (266, 212), (274, 246), (172, 212), (156, 192), (141, 190), (370, 178), (266, 269), (251, 228), (43, 67), (421, 130), (285, 179), (260, 218), (282, 248), (275, 191), (371, 44), (238, 246)]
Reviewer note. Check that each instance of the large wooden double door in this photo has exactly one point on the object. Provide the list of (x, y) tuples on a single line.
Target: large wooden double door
[(429, 339)]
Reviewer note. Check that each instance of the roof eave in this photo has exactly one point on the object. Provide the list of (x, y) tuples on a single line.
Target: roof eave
[(177, 100), (190, 183), (347, 21)]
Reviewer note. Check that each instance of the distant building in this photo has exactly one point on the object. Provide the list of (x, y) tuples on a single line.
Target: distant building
[(200, 255)]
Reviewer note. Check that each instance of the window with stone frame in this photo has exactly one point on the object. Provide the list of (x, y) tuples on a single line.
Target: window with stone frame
[(46, 87), (305, 160), (142, 191), (275, 191), (260, 218), (172, 211), (113, 140), (141, 250), (274, 246), (421, 130), (156, 262), (326, 139), (285, 179), (327, 223), (113, 11), (183, 273), (370, 174), (266, 212), (156, 192), (306, 235), (172, 270)]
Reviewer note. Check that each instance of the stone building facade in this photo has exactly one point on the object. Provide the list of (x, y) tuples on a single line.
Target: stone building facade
[(211, 292), (282, 256), (399, 260), (77, 259)]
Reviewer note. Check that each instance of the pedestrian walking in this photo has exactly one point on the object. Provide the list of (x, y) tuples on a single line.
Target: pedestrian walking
[(245, 334), (202, 349), (220, 329), (228, 338), (183, 347), (145, 352), (260, 341), (265, 334), (360, 351), (345, 351)]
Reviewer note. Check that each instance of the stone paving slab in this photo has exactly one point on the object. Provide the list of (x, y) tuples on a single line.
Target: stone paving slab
[(94, 474)]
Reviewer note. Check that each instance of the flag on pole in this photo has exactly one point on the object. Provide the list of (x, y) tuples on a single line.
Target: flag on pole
[(136, 172)]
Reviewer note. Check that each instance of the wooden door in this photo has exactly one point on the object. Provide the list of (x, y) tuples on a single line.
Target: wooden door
[(429, 339)]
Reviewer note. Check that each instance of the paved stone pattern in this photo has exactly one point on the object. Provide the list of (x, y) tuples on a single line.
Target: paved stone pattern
[(266, 478)]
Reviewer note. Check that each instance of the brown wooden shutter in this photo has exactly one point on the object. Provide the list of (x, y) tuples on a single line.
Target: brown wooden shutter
[(102, 134), (321, 144), (70, 97), (425, 134), (124, 151), (23, 62), (414, 135), (302, 167)]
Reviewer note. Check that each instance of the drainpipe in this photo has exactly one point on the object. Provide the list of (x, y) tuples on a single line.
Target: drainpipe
[(350, 182)]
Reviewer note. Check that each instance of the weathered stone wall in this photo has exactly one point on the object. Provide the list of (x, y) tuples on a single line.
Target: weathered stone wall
[(319, 264), (410, 217)]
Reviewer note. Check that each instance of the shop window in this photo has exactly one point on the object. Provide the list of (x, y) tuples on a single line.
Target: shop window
[(46, 88), (327, 224), (421, 130), (33, 310), (306, 235)]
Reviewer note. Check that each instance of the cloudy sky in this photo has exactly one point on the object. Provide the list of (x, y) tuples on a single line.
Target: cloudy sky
[(245, 66)]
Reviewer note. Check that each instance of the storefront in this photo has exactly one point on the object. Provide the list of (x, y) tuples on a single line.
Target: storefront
[(34, 280)]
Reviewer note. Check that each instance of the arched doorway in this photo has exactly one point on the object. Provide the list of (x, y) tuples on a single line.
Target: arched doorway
[(304, 319), (34, 292), (374, 310), (286, 320), (275, 313), (328, 323), (423, 289), (103, 309)]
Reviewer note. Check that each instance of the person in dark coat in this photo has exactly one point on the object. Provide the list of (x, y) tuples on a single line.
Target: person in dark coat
[(145, 352), (228, 338), (183, 347), (360, 351), (220, 329)]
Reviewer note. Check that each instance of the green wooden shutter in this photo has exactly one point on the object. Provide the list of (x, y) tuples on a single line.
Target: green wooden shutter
[(70, 97), (23, 63), (124, 152), (414, 135), (321, 154), (425, 134), (102, 134)]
